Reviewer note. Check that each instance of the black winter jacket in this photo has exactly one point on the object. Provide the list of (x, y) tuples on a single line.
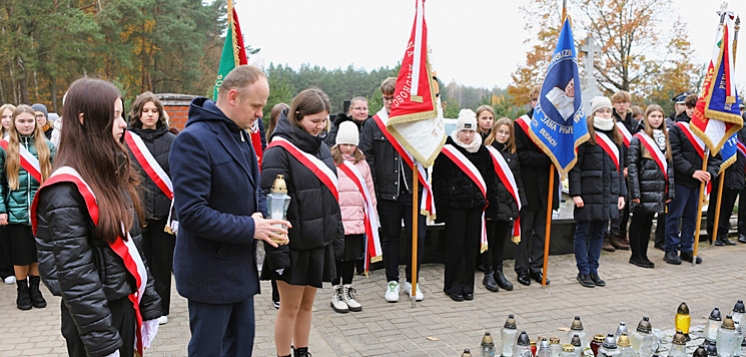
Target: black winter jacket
[(158, 141), (453, 189), (535, 172), (313, 212), (83, 270), (686, 160), (385, 163), (631, 125), (596, 180), (646, 181), (734, 175), (507, 210)]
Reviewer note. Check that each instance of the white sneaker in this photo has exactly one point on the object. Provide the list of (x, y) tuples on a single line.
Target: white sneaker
[(163, 320), (392, 291), (418, 294), (338, 303), (10, 280), (349, 299)]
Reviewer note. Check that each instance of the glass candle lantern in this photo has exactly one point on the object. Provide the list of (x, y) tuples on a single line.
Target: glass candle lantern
[(509, 334), (683, 320)]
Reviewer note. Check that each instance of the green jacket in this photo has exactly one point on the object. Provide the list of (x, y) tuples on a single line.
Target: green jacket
[(16, 203)]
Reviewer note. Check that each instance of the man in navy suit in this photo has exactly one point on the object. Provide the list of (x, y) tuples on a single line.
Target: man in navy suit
[(221, 215)]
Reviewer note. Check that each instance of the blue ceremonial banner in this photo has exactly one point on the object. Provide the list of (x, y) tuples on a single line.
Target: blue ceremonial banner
[(559, 124), (729, 152)]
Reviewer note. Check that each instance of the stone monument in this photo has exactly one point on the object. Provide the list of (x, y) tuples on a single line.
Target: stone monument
[(589, 84)]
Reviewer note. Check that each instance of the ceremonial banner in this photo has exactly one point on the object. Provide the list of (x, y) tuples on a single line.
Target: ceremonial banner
[(717, 116), (729, 152), (234, 55), (559, 123), (414, 119)]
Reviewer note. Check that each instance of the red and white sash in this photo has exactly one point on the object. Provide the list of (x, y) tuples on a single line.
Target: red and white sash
[(318, 167), (655, 152), (698, 144), (626, 135), (524, 122), (427, 205), (609, 147), (506, 177), (124, 249), (373, 250), (255, 137), (154, 171), (470, 170), (29, 162)]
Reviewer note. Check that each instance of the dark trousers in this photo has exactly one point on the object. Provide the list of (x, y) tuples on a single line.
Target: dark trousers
[(6, 254), (639, 235), (221, 329), (660, 230), (497, 233), (619, 225), (463, 229), (742, 212), (684, 207), (158, 248), (588, 239), (530, 252), (726, 209), (122, 319), (345, 272), (275, 292), (391, 214)]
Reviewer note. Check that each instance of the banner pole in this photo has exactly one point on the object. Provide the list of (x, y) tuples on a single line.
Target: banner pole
[(716, 219), (699, 209), (547, 236), (415, 219)]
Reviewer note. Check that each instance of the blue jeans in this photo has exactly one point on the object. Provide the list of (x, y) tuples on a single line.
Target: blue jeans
[(589, 237), (684, 206)]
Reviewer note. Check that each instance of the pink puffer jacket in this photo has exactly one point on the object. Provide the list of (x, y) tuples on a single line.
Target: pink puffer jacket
[(351, 201)]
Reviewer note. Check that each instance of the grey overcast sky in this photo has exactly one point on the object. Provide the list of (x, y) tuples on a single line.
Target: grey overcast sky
[(474, 42)]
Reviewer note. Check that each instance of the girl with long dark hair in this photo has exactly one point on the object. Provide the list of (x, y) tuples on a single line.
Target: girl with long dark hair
[(87, 224)]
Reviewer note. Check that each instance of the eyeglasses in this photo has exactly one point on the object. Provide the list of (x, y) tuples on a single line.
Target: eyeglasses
[(534, 100), (388, 98), (359, 108)]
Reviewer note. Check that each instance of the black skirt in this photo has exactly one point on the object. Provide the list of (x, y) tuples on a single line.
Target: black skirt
[(307, 267), (24, 244)]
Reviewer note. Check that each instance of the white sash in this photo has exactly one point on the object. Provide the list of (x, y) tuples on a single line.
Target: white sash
[(470, 170), (609, 147), (511, 184)]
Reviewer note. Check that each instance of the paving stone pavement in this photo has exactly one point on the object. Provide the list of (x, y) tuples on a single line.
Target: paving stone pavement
[(439, 326)]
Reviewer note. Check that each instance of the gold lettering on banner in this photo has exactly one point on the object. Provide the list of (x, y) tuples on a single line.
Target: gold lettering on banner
[(417, 98)]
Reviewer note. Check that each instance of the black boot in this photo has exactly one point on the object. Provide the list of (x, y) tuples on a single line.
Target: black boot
[(36, 299), (23, 302), (501, 281), (301, 352), (489, 281)]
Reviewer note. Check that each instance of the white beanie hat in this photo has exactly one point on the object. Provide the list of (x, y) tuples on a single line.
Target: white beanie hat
[(347, 133), (467, 120), (600, 102)]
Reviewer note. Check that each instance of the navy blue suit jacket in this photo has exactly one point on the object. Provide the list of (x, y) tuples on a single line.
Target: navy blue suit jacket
[(216, 190)]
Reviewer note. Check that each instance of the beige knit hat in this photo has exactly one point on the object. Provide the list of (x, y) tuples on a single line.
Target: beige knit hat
[(347, 134)]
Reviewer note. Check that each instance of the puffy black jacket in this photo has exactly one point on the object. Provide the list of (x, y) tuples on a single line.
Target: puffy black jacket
[(631, 124), (686, 160), (646, 181), (596, 180), (453, 189), (507, 210), (385, 163), (158, 141), (734, 175), (535, 172), (313, 212), (83, 270)]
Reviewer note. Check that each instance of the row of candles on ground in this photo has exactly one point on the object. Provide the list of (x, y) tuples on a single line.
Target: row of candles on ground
[(723, 338)]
